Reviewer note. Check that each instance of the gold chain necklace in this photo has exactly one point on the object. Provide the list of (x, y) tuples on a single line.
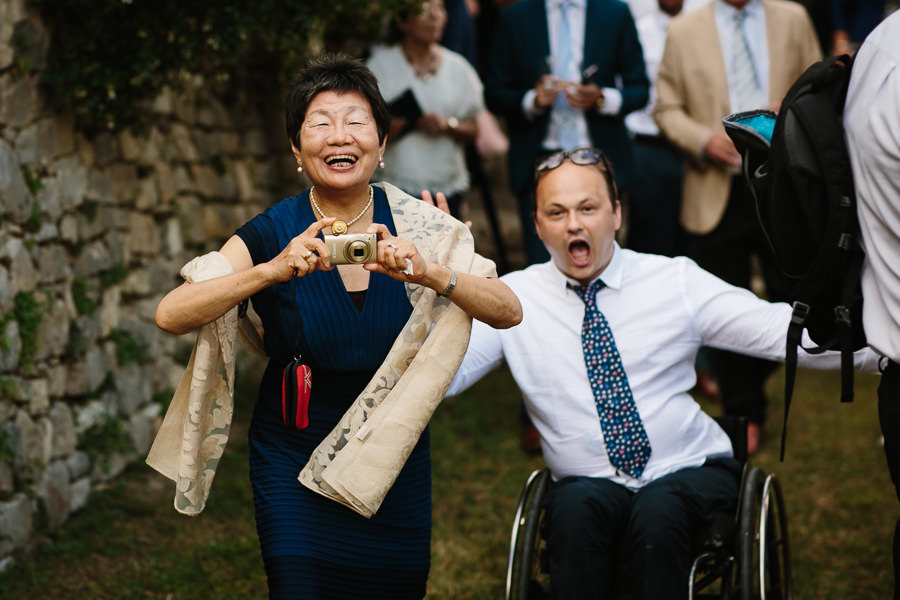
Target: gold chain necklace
[(339, 227)]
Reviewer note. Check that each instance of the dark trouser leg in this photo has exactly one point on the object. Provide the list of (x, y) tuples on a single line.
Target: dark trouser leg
[(654, 224), (726, 252), (592, 520), (454, 203), (889, 416), (586, 516), (664, 514)]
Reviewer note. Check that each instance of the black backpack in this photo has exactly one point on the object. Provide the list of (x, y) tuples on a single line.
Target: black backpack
[(798, 170)]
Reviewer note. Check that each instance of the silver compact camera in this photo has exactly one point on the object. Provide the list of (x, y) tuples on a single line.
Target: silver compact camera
[(352, 248)]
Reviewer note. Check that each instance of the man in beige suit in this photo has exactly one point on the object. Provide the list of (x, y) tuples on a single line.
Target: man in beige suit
[(728, 56)]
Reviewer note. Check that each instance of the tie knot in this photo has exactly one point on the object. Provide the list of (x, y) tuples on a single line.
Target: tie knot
[(738, 18), (587, 292)]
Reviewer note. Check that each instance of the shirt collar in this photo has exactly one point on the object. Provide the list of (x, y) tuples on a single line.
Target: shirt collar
[(611, 275), (662, 21), (751, 9), (555, 4)]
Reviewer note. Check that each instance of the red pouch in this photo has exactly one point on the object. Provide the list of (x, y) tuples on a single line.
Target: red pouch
[(296, 386)]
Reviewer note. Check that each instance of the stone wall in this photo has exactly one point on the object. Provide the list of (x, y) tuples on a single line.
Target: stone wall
[(93, 233)]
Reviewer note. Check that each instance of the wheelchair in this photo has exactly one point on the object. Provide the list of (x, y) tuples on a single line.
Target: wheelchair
[(745, 556)]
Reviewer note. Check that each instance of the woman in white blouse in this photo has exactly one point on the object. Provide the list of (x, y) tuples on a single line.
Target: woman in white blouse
[(435, 96)]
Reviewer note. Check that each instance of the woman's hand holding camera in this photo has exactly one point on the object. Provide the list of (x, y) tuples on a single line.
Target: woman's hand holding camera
[(304, 254), (400, 259), (397, 257)]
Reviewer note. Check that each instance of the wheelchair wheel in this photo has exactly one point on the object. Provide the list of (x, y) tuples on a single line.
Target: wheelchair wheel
[(764, 569), (524, 577)]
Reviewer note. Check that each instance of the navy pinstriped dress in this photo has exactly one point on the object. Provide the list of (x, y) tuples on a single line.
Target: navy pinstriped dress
[(314, 547)]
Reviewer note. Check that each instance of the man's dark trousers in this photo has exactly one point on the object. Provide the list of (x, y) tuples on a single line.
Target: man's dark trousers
[(726, 253), (594, 521)]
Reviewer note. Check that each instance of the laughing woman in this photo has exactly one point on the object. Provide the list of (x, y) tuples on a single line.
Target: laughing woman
[(376, 326)]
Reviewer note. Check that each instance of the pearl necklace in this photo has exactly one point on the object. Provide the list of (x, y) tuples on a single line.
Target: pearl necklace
[(339, 227)]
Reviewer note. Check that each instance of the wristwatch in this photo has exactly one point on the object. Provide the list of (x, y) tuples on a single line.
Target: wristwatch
[(451, 285), (452, 123), (601, 102)]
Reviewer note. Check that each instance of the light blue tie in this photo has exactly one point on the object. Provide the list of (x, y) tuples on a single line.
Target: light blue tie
[(623, 431), (747, 91), (564, 116)]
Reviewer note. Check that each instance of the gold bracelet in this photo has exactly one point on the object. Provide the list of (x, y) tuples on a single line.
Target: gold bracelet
[(449, 289)]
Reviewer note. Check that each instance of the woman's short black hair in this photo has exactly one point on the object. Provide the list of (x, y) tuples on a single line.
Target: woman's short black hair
[(335, 72)]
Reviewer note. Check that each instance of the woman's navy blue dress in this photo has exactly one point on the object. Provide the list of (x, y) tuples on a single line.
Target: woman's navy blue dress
[(313, 547)]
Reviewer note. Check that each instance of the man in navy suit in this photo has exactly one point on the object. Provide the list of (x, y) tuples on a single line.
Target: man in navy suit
[(564, 73)]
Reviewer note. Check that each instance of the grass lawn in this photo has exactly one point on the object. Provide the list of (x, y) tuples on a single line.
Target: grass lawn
[(130, 543)]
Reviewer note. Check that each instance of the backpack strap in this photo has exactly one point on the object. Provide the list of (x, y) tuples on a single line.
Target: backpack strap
[(842, 317), (843, 340), (799, 317), (794, 339)]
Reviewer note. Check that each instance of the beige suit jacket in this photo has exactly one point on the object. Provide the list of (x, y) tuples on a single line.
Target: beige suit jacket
[(693, 95)]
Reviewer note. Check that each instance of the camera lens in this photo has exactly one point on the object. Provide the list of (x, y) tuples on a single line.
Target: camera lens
[(356, 251)]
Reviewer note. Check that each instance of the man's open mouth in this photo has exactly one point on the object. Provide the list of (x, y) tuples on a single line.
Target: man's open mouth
[(580, 252), (340, 160)]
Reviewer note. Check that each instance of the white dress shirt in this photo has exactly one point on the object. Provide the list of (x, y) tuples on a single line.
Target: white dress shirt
[(660, 310), (612, 96), (755, 29), (872, 127)]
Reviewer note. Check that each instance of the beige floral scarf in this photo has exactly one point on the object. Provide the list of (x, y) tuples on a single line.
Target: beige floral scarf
[(358, 462)]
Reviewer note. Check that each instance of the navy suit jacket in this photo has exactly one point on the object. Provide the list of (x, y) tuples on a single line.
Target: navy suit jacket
[(519, 58)]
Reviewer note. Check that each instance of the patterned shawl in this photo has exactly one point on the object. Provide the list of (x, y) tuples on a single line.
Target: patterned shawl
[(358, 462)]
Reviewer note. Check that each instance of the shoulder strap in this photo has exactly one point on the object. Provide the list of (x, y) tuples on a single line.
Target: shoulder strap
[(794, 338)]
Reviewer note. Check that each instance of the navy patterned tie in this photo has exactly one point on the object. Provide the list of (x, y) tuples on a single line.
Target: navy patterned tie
[(626, 440)]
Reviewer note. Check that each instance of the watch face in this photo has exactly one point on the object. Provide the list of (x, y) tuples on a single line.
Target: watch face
[(452, 122)]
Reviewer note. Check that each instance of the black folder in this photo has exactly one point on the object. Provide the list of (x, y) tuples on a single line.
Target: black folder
[(407, 107)]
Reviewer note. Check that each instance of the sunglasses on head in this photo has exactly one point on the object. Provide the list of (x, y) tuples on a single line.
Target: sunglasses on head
[(578, 156)]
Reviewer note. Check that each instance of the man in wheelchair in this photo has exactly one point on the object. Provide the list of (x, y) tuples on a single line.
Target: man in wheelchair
[(604, 357)]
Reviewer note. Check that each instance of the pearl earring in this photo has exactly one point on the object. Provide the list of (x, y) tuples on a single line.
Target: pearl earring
[(299, 167), (380, 161)]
